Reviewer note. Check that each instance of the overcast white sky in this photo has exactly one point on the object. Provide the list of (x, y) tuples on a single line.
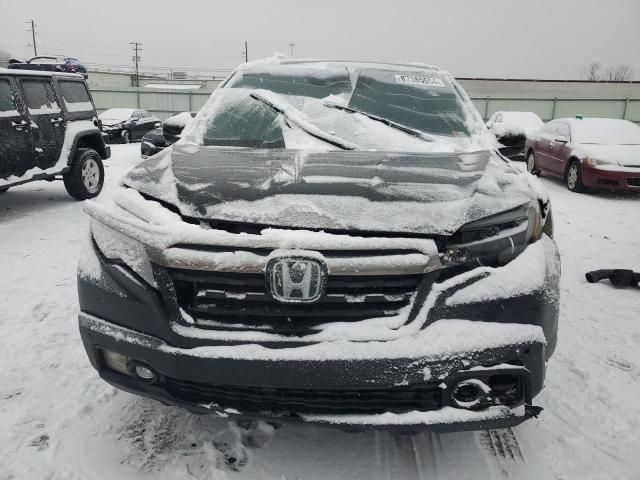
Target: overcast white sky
[(471, 38)]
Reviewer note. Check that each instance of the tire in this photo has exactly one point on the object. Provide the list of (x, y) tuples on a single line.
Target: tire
[(573, 177), (531, 164), (126, 136), (86, 176)]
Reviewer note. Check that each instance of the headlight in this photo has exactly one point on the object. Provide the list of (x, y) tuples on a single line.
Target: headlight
[(600, 161), (119, 248), (495, 240)]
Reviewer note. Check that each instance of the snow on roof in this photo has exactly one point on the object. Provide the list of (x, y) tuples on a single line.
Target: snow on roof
[(38, 73), (517, 123), (605, 131), (174, 86), (179, 120), (280, 59)]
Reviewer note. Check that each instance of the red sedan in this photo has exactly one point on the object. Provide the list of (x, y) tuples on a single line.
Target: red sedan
[(591, 152)]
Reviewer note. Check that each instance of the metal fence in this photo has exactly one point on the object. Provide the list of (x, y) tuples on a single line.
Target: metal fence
[(164, 103), (550, 108)]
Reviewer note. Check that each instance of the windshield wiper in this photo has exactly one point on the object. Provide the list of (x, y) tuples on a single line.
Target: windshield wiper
[(292, 115), (390, 123)]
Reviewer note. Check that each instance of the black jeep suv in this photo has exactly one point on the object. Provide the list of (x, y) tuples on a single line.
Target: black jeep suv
[(48, 130), (337, 243)]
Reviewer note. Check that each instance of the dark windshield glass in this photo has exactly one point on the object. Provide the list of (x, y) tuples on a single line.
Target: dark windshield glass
[(298, 81), (424, 101), (241, 121)]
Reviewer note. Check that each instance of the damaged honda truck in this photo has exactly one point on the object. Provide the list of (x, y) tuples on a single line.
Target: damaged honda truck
[(333, 243)]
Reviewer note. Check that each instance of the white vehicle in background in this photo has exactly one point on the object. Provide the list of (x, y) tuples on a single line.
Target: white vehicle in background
[(511, 129)]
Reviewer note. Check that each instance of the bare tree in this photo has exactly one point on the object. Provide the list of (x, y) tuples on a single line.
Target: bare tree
[(619, 73), (4, 57), (592, 72)]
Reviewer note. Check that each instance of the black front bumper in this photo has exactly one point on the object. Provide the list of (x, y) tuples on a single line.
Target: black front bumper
[(121, 313), (224, 385), (114, 135)]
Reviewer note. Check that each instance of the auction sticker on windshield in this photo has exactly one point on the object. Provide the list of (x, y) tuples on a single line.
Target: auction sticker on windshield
[(418, 80)]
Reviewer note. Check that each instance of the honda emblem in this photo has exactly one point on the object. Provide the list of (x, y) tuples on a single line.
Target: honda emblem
[(296, 279)]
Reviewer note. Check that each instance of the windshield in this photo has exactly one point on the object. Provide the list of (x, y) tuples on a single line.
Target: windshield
[(316, 81), (605, 132), (419, 100), (372, 109)]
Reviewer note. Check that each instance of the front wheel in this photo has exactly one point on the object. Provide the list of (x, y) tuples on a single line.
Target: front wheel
[(85, 178), (126, 136), (573, 178), (531, 164)]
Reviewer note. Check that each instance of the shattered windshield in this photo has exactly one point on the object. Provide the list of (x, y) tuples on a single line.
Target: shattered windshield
[(419, 100), (364, 109), (314, 81)]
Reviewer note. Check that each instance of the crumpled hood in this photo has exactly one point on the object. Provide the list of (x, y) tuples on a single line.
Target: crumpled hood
[(417, 193), (628, 155), (110, 122)]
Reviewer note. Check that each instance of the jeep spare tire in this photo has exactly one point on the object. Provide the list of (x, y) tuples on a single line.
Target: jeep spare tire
[(86, 176)]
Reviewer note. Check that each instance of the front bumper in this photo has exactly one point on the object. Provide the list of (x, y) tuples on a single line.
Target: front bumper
[(121, 313), (194, 372), (611, 178), (114, 134)]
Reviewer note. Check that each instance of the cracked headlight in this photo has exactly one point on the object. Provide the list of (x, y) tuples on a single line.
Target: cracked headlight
[(495, 240), (118, 248)]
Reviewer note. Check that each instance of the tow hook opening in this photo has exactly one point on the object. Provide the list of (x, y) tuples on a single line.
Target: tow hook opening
[(502, 387), (471, 394)]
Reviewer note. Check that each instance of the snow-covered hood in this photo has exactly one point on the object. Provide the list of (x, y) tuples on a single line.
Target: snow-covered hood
[(420, 193), (110, 122), (627, 155)]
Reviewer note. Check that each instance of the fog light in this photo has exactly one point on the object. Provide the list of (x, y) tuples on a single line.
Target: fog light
[(471, 394), (115, 361), (145, 373)]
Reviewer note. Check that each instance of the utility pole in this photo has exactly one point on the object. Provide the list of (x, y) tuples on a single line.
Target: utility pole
[(137, 48), (33, 35), (246, 51), (291, 45)]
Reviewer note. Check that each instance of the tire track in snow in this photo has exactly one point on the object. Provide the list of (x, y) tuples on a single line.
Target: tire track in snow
[(503, 444)]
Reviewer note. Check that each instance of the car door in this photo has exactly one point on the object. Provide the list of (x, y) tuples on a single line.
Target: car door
[(45, 117), (16, 145), (558, 150), (541, 144)]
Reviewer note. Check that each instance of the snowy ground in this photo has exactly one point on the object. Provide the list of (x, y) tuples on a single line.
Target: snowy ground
[(58, 420)]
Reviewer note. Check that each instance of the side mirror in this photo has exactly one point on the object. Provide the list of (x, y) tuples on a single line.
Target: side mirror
[(561, 139)]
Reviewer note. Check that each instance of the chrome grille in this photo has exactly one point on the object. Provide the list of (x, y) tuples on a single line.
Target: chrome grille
[(241, 301)]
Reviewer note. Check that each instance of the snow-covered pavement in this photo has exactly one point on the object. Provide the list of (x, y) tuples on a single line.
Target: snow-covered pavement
[(58, 420)]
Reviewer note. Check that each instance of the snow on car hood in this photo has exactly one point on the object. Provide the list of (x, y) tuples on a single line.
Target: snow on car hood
[(627, 155), (419, 193)]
